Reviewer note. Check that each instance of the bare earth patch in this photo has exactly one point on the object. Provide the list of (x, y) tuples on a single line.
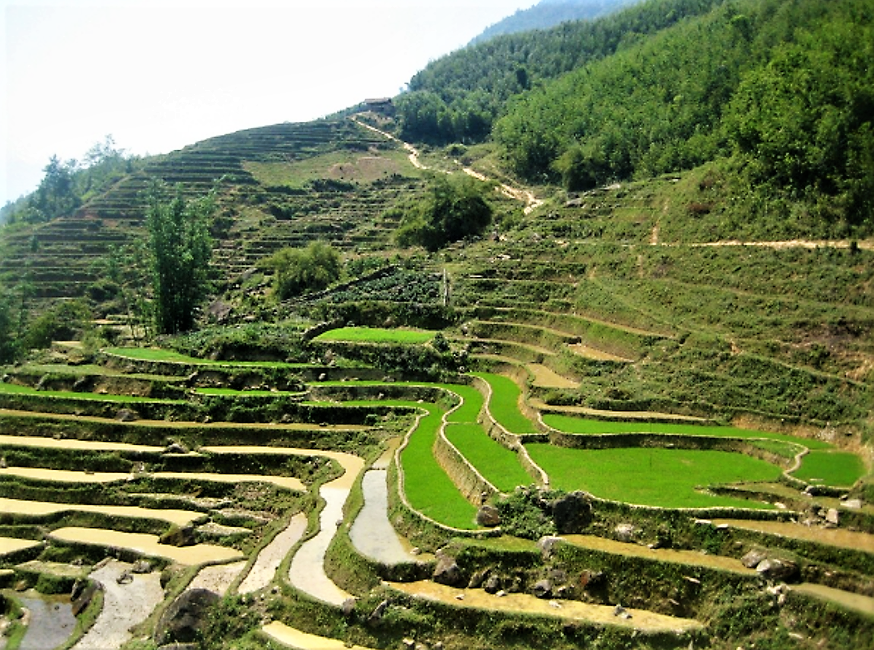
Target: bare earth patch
[(218, 578), (547, 378)]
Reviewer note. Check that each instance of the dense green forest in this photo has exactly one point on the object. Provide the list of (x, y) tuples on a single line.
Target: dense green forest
[(781, 90)]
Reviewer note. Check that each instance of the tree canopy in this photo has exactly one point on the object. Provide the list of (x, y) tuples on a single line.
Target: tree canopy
[(302, 270), (180, 249), (453, 208)]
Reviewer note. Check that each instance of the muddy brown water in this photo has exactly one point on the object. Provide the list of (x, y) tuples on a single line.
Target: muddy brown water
[(864, 604), (372, 533), (12, 545), (41, 508), (147, 545), (690, 558), (641, 620), (76, 445), (293, 638), (51, 622), (831, 536), (264, 568)]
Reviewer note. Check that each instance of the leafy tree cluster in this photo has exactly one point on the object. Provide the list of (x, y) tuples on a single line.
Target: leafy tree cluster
[(453, 208), (458, 97), (785, 84), (298, 271), (66, 185), (180, 249)]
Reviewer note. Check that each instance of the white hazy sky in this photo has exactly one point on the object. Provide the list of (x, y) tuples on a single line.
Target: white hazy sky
[(159, 75)]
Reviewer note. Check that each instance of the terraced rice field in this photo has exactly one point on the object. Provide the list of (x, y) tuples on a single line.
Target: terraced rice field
[(257, 529)]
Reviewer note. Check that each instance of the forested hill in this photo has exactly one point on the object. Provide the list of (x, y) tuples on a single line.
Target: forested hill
[(780, 91), (549, 13)]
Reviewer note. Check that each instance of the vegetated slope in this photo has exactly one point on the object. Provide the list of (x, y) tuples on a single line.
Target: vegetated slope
[(277, 186), (776, 94), (548, 13)]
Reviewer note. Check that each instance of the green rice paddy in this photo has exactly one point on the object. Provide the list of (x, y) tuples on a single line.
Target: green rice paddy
[(504, 404), (577, 425), (376, 335), (834, 468), (499, 465), (667, 478)]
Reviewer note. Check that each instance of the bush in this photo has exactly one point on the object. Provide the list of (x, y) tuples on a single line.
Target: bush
[(301, 271)]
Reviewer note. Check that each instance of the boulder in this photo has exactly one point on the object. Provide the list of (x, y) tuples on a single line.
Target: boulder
[(752, 559), (625, 532), (178, 536), (186, 617), (547, 546), (127, 415), (348, 607), (447, 571), (833, 517), (776, 569), (377, 614), (572, 513), (492, 584), (542, 589), (488, 516)]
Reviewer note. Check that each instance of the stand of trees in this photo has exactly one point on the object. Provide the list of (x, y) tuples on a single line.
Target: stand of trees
[(180, 249)]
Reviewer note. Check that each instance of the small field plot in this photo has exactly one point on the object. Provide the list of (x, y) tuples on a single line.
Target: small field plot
[(570, 424), (835, 468), (158, 354), (376, 335), (499, 465), (668, 478), (472, 404), (504, 404), (428, 488)]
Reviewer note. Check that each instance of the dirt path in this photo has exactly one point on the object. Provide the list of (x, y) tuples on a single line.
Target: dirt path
[(641, 620), (264, 568), (792, 243), (523, 195), (124, 605), (147, 545)]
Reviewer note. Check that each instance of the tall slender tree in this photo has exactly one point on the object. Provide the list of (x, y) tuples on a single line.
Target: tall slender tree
[(180, 249)]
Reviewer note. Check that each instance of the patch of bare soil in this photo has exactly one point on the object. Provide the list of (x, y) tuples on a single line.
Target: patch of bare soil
[(593, 353), (125, 604), (619, 415), (831, 536), (637, 619), (546, 378)]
